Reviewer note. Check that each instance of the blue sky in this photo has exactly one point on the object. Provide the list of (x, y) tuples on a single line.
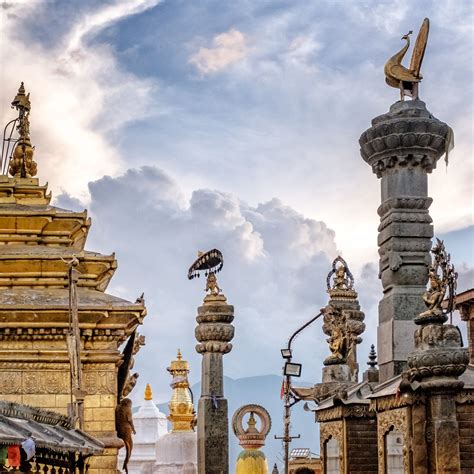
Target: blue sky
[(187, 125)]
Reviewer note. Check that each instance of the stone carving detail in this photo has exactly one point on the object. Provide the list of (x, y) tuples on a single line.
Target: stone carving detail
[(214, 331), (251, 438), (439, 358), (387, 420), (406, 137), (343, 328), (55, 382), (438, 353)]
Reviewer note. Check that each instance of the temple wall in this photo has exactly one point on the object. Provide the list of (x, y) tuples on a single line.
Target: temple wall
[(362, 445), (465, 416), (47, 385)]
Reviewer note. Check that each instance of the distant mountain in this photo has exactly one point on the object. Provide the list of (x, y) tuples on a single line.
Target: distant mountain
[(265, 390)]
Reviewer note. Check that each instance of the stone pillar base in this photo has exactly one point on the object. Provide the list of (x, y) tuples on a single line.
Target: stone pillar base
[(336, 373)]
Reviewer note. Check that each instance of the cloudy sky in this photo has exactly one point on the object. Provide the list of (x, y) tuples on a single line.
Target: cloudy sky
[(184, 126)]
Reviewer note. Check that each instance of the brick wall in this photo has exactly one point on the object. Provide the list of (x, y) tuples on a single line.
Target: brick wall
[(465, 415), (362, 445)]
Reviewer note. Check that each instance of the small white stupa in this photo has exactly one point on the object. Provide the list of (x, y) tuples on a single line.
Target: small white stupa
[(176, 452), (150, 424)]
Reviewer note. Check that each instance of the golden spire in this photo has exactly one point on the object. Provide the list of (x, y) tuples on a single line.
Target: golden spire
[(22, 164), (148, 392), (182, 414)]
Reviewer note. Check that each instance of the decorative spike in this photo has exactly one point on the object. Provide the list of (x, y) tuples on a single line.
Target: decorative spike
[(372, 357)]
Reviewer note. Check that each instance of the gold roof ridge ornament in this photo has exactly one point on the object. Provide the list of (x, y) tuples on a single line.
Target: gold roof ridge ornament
[(19, 163), (210, 263), (407, 79)]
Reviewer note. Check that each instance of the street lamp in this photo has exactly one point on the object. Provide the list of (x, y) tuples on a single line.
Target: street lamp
[(286, 353), (291, 369)]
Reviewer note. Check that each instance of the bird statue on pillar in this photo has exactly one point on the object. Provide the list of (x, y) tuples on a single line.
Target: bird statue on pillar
[(407, 79)]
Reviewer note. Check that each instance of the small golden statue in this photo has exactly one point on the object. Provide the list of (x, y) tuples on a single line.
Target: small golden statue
[(340, 280), (22, 164), (337, 345), (211, 285), (407, 79), (439, 286)]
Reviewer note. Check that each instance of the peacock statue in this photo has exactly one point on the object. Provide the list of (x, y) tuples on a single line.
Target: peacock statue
[(407, 79)]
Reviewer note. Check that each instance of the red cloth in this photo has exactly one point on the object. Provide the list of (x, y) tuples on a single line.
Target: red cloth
[(14, 456), (282, 390)]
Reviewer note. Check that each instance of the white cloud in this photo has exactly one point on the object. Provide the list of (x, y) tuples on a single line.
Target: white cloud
[(97, 20), (227, 49), (276, 262), (80, 95)]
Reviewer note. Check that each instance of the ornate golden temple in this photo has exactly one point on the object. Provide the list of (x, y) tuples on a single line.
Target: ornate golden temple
[(39, 244)]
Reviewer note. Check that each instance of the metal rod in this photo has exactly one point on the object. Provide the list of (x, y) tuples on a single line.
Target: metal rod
[(287, 438)]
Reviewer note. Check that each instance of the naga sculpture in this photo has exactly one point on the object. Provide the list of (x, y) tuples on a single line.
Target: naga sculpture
[(407, 79)]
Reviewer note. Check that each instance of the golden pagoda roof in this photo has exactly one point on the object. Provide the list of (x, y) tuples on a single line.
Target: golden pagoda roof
[(26, 216)]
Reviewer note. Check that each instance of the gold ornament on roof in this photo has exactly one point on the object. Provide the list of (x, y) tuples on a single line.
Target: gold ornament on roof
[(182, 414), (21, 163), (407, 79), (148, 392)]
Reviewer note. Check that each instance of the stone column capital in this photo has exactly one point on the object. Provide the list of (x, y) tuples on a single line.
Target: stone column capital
[(408, 136)]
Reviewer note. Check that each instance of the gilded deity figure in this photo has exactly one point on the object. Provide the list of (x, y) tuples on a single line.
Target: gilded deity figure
[(340, 280), (337, 344), (434, 296), (211, 285)]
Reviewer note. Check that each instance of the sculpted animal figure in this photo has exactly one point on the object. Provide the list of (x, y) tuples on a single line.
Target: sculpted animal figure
[(401, 77), (125, 428)]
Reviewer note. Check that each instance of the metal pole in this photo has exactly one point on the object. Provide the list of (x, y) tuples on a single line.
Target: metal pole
[(286, 422)]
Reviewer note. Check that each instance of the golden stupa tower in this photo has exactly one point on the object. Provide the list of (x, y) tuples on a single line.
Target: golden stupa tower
[(42, 259), (182, 414)]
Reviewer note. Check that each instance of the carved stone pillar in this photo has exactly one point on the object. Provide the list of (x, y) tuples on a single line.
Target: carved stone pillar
[(402, 147), (214, 333), (435, 365)]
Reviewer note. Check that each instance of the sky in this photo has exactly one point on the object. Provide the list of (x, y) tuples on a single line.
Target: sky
[(184, 126)]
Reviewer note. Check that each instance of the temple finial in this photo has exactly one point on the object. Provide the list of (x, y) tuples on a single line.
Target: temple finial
[(21, 163), (148, 392), (372, 357)]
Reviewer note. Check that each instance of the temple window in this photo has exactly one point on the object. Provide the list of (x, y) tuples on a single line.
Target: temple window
[(394, 452), (332, 456)]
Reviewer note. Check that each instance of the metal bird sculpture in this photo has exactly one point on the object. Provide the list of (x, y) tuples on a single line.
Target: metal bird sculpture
[(407, 79)]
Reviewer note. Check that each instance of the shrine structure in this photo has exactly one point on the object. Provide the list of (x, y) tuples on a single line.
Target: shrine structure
[(60, 332)]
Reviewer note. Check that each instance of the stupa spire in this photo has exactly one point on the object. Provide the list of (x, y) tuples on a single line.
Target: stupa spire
[(182, 414)]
